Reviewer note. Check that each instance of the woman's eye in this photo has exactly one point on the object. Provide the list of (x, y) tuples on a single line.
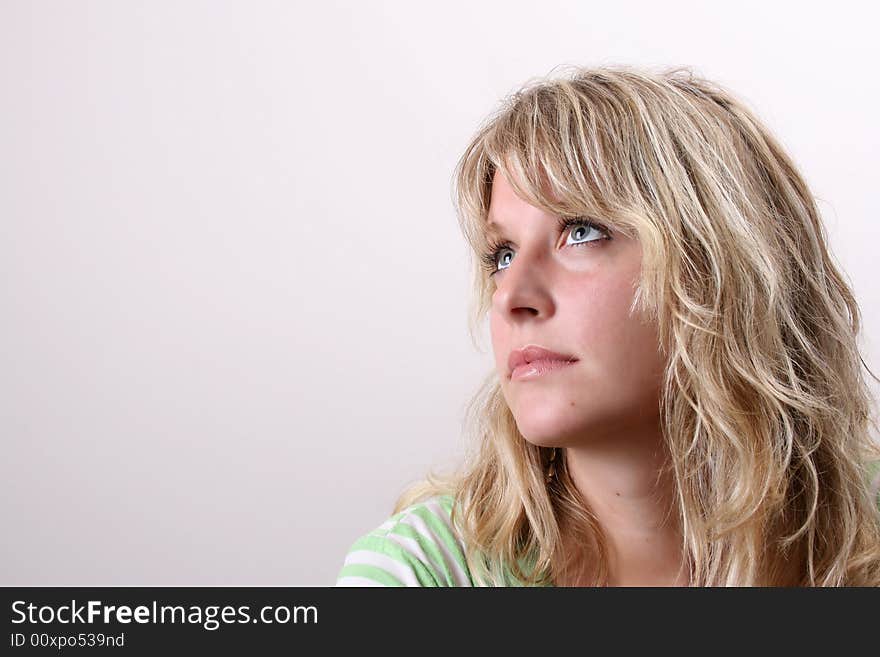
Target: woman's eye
[(510, 253), (500, 258), (583, 230)]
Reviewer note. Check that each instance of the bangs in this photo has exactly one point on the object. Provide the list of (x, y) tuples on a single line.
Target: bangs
[(561, 153)]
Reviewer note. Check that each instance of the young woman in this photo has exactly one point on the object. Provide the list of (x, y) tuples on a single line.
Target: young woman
[(678, 396)]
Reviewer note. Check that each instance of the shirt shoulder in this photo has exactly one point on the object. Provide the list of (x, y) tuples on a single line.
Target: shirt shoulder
[(416, 547)]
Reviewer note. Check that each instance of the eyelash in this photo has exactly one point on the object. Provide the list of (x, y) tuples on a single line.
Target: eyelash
[(490, 258)]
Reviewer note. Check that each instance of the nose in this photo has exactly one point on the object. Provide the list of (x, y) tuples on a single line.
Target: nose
[(524, 288)]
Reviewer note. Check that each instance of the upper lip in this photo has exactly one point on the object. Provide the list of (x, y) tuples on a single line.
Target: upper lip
[(533, 352)]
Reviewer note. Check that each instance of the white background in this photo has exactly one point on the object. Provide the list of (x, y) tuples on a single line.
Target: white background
[(232, 284)]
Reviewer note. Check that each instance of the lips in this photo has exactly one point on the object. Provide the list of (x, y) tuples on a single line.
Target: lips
[(531, 353)]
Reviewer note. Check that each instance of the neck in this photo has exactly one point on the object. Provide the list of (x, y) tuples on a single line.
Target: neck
[(628, 489)]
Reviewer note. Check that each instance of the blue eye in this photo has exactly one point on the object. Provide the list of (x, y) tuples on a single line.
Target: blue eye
[(490, 258)]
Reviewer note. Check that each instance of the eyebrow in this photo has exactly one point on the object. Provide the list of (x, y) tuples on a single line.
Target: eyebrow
[(493, 226)]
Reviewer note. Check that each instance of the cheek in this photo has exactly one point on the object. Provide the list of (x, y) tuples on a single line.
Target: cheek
[(620, 350), (601, 313), (498, 333)]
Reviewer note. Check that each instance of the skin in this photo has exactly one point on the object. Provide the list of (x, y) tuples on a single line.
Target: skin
[(603, 410)]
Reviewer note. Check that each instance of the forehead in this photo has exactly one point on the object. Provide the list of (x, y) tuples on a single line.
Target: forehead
[(504, 202)]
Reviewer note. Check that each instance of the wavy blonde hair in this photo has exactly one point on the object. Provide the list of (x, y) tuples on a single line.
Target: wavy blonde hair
[(766, 415)]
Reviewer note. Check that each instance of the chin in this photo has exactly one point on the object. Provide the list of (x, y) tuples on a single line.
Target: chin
[(547, 442), (547, 434)]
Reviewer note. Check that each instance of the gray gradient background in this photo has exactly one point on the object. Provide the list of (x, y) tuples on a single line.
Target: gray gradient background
[(232, 285)]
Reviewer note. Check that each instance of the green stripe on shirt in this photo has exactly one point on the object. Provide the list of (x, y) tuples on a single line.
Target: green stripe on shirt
[(402, 542)]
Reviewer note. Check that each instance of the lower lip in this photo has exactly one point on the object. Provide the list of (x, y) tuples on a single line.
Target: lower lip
[(538, 368)]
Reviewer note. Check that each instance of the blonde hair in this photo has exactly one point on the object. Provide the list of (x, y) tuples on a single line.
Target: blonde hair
[(765, 412)]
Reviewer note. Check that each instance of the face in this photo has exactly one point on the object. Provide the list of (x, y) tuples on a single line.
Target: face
[(569, 290)]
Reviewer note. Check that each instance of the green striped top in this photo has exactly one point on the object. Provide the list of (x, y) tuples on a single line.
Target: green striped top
[(415, 547), (419, 547)]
